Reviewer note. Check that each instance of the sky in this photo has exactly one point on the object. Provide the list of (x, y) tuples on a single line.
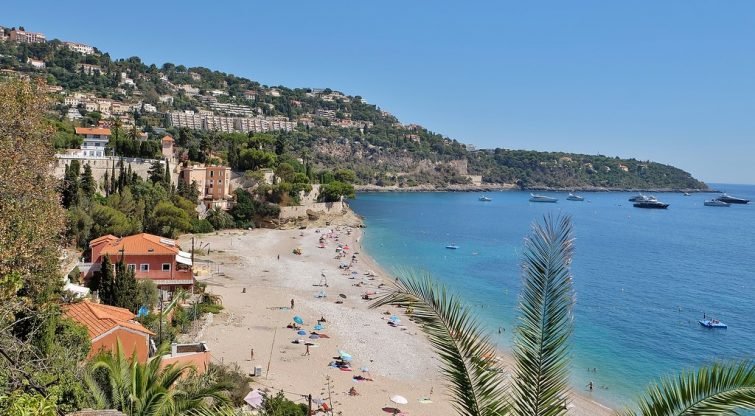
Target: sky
[(669, 81)]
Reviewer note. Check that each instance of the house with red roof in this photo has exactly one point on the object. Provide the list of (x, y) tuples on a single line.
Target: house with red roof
[(149, 256), (108, 325)]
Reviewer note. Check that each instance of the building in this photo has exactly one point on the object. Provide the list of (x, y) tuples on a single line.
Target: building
[(149, 108), (149, 256), (324, 113), (196, 354), (90, 69), (80, 48), (22, 36), (95, 140), (73, 114), (109, 325), (167, 146), (213, 183), (36, 63)]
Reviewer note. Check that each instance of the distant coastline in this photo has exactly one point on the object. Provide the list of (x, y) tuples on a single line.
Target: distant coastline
[(513, 187)]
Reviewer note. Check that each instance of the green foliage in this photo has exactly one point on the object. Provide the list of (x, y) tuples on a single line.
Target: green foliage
[(146, 294), (87, 183), (279, 405), (202, 226), (333, 191), (108, 220), (148, 389), (220, 220), (169, 220), (25, 404)]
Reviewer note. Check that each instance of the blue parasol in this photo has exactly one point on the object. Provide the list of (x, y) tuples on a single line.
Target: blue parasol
[(298, 319), (314, 336), (302, 332), (319, 327)]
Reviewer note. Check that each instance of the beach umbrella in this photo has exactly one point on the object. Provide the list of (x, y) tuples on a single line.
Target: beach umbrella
[(318, 327), (314, 336), (345, 356), (302, 332), (254, 399), (298, 319), (399, 399), (394, 318)]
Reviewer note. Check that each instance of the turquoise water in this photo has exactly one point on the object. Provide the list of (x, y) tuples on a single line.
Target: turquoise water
[(642, 277)]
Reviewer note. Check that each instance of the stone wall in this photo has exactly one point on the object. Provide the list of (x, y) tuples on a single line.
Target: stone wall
[(327, 208), (100, 165)]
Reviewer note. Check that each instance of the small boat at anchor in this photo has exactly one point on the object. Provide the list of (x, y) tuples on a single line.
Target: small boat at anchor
[(573, 197), (716, 203), (712, 323), (452, 247), (542, 198), (483, 198)]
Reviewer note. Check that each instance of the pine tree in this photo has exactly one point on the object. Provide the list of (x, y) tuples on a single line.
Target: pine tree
[(106, 184), (71, 185), (156, 172), (88, 184), (124, 293)]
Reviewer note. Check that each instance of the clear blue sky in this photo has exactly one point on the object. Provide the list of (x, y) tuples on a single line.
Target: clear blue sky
[(670, 81)]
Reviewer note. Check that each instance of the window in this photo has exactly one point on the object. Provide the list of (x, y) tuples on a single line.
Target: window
[(144, 268), (212, 173), (166, 267), (131, 267)]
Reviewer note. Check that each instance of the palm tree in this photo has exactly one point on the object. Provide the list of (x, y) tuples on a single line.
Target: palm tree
[(539, 387), (149, 389)]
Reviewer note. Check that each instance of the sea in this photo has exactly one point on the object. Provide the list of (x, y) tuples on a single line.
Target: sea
[(642, 277)]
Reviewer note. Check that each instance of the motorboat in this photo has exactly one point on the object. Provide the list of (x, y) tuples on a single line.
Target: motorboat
[(687, 194), (732, 199), (712, 323), (542, 198), (642, 198), (483, 198), (452, 247), (716, 203), (650, 204), (573, 197)]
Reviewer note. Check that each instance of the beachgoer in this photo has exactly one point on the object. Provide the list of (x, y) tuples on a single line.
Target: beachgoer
[(251, 355), (322, 319), (353, 392), (306, 352), (589, 385), (279, 256), (499, 329), (292, 304), (243, 290)]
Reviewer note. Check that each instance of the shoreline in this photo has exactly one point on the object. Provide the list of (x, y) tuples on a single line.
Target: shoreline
[(514, 188), (256, 288)]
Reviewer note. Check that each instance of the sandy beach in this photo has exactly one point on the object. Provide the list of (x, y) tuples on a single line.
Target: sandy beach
[(258, 275)]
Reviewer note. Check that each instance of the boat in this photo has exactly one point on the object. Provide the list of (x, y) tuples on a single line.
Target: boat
[(452, 247), (716, 203), (687, 194), (712, 323), (732, 199), (642, 198), (573, 197), (650, 204), (485, 199), (542, 198)]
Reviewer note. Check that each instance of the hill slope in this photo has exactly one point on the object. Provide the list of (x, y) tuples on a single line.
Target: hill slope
[(214, 114)]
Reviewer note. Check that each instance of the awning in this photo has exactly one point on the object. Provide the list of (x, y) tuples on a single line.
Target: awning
[(184, 260)]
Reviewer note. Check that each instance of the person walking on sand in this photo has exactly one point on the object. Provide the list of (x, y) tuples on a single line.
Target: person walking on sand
[(251, 355), (306, 352), (292, 303), (279, 256)]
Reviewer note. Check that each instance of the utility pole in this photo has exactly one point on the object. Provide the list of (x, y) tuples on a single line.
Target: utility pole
[(309, 406)]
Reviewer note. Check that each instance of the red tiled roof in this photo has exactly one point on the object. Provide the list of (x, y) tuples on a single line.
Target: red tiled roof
[(99, 319), (93, 130), (167, 139), (136, 244)]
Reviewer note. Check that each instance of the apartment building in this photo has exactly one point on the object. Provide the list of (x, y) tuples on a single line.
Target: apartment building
[(80, 48), (218, 123), (95, 141), (324, 113), (187, 119), (233, 109), (23, 36), (90, 69), (213, 183), (36, 63)]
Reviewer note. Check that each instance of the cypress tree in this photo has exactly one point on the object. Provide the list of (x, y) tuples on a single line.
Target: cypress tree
[(106, 184), (105, 284), (167, 173), (88, 184)]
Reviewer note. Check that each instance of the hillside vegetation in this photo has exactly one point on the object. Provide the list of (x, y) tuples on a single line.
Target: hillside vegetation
[(333, 130)]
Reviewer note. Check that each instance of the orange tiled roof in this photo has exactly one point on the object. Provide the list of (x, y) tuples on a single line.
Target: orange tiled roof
[(136, 244), (99, 319), (167, 139), (93, 130)]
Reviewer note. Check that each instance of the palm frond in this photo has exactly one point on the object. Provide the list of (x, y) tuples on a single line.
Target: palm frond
[(466, 353), (215, 411), (719, 389), (545, 322)]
